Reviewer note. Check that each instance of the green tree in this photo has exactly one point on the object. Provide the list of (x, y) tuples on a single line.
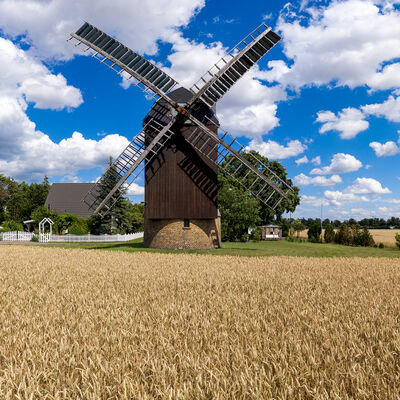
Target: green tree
[(344, 235), (239, 211), (38, 193), (4, 195), (134, 217), (314, 233), (23, 199), (297, 226), (397, 240), (256, 235), (11, 226), (329, 234), (257, 209), (286, 205), (366, 238), (114, 221), (42, 212)]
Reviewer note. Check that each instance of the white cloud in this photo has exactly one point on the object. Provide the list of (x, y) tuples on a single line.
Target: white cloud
[(367, 186), (346, 42), (341, 163), (274, 150), (302, 160), (26, 78), (389, 109), (387, 212), (393, 201), (138, 24), (249, 109), (26, 152), (338, 198), (304, 180), (385, 149), (135, 190), (313, 201), (349, 122), (31, 154), (316, 160)]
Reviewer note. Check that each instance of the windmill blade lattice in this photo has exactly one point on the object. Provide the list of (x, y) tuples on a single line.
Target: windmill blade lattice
[(227, 153), (229, 69), (121, 59), (127, 168)]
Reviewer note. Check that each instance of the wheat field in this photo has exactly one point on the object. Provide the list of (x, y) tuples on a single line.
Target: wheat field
[(84, 324)]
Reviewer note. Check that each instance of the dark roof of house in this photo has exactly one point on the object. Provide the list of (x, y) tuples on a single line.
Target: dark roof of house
[(67, 198)]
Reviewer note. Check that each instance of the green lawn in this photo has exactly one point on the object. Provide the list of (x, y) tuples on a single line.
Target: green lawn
[(256, 249)]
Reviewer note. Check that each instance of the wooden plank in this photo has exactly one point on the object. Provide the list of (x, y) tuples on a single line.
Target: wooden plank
[(181, 183)]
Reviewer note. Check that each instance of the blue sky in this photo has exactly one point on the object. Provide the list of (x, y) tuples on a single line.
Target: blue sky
[(325, 102)]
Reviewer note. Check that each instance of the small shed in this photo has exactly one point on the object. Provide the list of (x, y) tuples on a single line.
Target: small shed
[(272, 232)]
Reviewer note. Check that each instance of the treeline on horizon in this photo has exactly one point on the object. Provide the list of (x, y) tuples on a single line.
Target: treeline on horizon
[(370, 223)]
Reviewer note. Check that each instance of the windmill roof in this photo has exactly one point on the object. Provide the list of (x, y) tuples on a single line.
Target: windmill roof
[(67, 198), (160, 110), (181, 95)]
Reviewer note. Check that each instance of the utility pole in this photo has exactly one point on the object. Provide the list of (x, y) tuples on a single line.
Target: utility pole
[(321, 220)]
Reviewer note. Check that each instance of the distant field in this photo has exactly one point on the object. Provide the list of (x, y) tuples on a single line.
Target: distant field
[(385, 236), (116, 325)]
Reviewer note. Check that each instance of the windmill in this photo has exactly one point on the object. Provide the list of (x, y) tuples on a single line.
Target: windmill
[(182, 147)]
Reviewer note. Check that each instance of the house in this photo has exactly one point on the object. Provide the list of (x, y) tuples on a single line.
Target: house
[(66, 198), (272, 232)]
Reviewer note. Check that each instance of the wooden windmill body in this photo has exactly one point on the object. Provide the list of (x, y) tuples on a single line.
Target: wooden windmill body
[(181, 209)]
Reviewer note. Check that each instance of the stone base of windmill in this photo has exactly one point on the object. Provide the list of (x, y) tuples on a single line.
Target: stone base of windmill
[(176, 234)]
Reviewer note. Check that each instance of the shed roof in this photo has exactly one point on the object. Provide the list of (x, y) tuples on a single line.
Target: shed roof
[(67, 198)]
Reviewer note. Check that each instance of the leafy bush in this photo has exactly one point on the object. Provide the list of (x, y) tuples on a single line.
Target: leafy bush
[(314, 233), (329, 234), (397, 240), (256, 235), (343, 235), (353, 236), (381, 245), (78, 229), (366, 239), (285, 229), (245, 237), (34, 239), (74, 224), (11, 226), (43, 212)]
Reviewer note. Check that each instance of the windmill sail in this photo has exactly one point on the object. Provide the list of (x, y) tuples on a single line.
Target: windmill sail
[(122, 59), (127, 168), (227, 71), (253, 175), (220, 148)]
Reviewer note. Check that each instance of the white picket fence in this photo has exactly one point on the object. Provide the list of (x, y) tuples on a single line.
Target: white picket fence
[(90, 238), (47, 237), (16, 236)]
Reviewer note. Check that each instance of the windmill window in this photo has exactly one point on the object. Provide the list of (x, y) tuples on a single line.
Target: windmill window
[(186, 223)]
